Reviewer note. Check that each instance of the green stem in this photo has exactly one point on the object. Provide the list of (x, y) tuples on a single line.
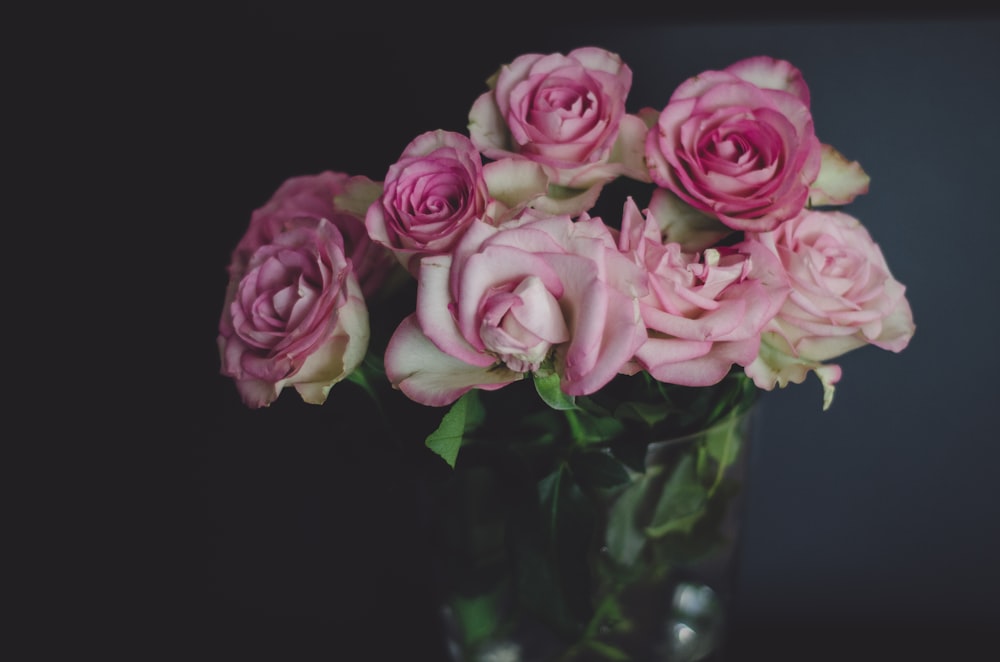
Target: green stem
[(726, 457), (364, 376), (361, 379), (575, 426)]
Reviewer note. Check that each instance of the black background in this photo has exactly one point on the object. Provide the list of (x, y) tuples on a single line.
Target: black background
[(217, 533)]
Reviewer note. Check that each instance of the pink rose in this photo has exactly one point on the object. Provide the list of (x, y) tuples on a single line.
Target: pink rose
[(294, 312), (566, 113), (515, 299), (738, 144), (704, 311), (431, 195), (437, 188), (843, 297), (306, 199)]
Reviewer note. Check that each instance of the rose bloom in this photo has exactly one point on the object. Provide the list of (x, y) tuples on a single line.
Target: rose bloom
[(566, 113), (306, 199), (437, 188), (511, 298), (294, 312), (738, 144), (843, 297), (431, 195), (704, 311)]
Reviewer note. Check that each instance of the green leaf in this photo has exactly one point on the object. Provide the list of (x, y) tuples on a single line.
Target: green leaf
[(568, 524), (590, 429), (599, 469), (681, 503), (623, 537), (645, 412), (592, 407), (547, 385), (631, 452), (465, 414), (538, 588), (723, 442)]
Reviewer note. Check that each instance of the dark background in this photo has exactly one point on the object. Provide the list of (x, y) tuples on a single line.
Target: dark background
[(223, 533)]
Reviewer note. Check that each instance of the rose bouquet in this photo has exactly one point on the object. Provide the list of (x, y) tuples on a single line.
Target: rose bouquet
[(563, 285)]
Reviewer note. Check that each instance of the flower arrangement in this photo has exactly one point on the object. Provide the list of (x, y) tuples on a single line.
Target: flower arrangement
[(567, 273), (734, 262)]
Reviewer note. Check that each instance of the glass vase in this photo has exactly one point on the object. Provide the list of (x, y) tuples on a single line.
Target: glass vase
[(618, 548)]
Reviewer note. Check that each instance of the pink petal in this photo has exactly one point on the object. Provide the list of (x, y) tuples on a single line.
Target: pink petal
[(429, 376)]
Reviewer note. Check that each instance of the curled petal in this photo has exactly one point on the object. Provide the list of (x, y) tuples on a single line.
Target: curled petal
[(839, 180), (431, 377), (630, 148), (682, 224), (777, 365), (770, 73), (515, 183), (697, 364)]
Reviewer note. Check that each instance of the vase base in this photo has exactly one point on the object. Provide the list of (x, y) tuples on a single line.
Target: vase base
[(691, 630)]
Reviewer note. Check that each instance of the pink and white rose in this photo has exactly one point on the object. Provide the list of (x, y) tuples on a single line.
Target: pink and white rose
[(430, 196), (437, 188), (843, 297), (294, 312), (514, 299), (738, 144), (303, 201), (565, 112), (704, 311), (294, 315)]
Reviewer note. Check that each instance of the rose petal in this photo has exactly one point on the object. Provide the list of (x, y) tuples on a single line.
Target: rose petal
[(431, 377)]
